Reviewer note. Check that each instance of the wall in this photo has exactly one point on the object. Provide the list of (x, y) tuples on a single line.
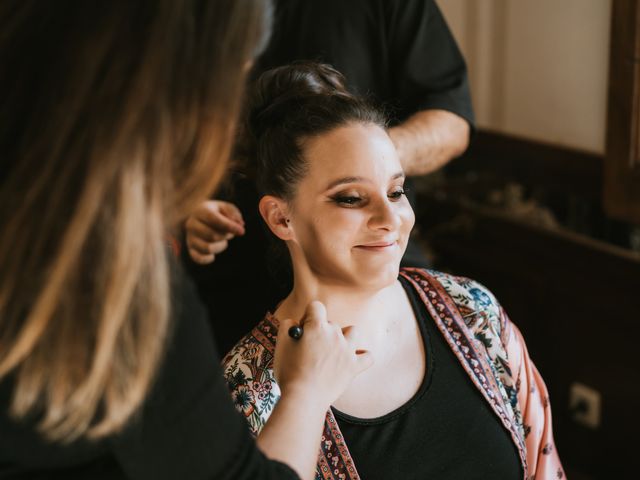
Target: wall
[(538, 68)]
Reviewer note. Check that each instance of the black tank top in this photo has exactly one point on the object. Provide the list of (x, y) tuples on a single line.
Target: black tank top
[(446, 431)]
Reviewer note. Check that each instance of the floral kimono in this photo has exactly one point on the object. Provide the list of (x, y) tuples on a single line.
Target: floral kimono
[(488, 346)]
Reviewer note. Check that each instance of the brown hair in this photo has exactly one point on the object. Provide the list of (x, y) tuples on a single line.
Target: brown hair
[(116, 118), (288, 105)]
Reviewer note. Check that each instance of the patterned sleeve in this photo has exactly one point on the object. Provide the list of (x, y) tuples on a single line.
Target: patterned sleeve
[(520, 382), (249, 375), (542, 457)]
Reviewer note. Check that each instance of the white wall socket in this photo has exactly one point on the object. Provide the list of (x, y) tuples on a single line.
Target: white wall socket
[(585, 405)]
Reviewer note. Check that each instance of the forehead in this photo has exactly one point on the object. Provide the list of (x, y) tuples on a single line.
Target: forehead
[(359, 150)]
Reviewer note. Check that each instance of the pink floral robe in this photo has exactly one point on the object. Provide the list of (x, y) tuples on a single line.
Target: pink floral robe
[(489, 347)]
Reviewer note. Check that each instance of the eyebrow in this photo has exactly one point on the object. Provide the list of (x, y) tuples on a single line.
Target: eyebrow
[(342, 181)]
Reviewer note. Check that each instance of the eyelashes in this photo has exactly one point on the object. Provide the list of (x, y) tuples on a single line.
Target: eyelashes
[(347, 200), (356, 200), (397, 194)]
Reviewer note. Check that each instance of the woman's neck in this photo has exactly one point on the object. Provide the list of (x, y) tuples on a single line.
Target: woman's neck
[(346, 304)]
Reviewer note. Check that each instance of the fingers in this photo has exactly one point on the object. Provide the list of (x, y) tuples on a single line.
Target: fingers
[(207, 248), (200, 230), (364, 360), (223, 217), (209, 229), (200, 258), (202, 252), (313, 322), (285, 325), (232, 212), (351, 334), (354, 338), (315, 314)]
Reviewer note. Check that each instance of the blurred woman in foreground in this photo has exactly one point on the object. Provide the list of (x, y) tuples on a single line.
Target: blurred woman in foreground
[(117, 118)]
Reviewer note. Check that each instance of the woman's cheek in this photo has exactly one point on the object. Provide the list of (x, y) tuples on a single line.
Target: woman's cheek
[(345, 219), (408, 216), (329, 228)]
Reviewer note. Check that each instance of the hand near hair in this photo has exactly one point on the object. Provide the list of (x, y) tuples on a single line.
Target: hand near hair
[(209, 229), (312, 372)]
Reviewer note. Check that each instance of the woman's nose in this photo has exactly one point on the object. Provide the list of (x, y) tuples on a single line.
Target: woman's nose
[(384, 216)]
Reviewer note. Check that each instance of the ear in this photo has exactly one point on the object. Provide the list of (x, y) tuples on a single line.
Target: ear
[(274, 211)]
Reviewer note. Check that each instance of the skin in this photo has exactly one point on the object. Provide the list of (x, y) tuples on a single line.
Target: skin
[(346, 229), (430, 139)]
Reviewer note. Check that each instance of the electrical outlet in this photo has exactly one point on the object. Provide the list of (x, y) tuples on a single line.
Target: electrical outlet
[(584, 405)]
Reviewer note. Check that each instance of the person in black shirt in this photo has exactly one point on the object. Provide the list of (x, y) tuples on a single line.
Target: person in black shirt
[(399, 53), (117, 118)]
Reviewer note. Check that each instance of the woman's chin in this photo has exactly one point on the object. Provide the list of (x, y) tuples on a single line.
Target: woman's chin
[(379, 277)]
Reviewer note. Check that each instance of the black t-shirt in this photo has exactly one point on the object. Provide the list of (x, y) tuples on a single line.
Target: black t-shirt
[(446, 431), (401, 53), (398, 52), (187, 429)]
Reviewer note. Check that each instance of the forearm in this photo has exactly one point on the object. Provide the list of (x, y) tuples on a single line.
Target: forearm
[(429, 139), (293, 432)]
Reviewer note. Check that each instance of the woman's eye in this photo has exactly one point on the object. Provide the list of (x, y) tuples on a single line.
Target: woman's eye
[(347, 200), (396, 194)]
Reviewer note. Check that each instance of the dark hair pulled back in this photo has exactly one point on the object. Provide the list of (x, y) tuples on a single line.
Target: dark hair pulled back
[(291, 104)]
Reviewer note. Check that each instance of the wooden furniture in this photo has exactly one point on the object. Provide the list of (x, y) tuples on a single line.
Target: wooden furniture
[(622, 161)]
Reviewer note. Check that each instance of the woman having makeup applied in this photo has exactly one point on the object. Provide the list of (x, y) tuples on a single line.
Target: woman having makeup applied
[(116, 119), (453, 393)]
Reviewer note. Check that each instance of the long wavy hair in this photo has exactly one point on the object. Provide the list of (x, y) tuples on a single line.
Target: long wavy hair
[(116, 118)]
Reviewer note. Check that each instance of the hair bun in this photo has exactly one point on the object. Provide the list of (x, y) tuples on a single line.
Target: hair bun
[(287, 105), (278, 90)]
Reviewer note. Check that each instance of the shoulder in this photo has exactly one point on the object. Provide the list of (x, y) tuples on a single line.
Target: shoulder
[(484, 319), (477, 305), (248, 371), (466, 292)]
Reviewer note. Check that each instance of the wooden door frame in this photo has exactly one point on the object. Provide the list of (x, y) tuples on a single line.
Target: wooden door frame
[(622, 158)]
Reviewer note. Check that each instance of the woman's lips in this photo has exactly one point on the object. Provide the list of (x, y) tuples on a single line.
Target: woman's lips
[(377, 246)]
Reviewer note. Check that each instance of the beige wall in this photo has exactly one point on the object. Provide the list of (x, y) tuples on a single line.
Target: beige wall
[(538, 68)]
